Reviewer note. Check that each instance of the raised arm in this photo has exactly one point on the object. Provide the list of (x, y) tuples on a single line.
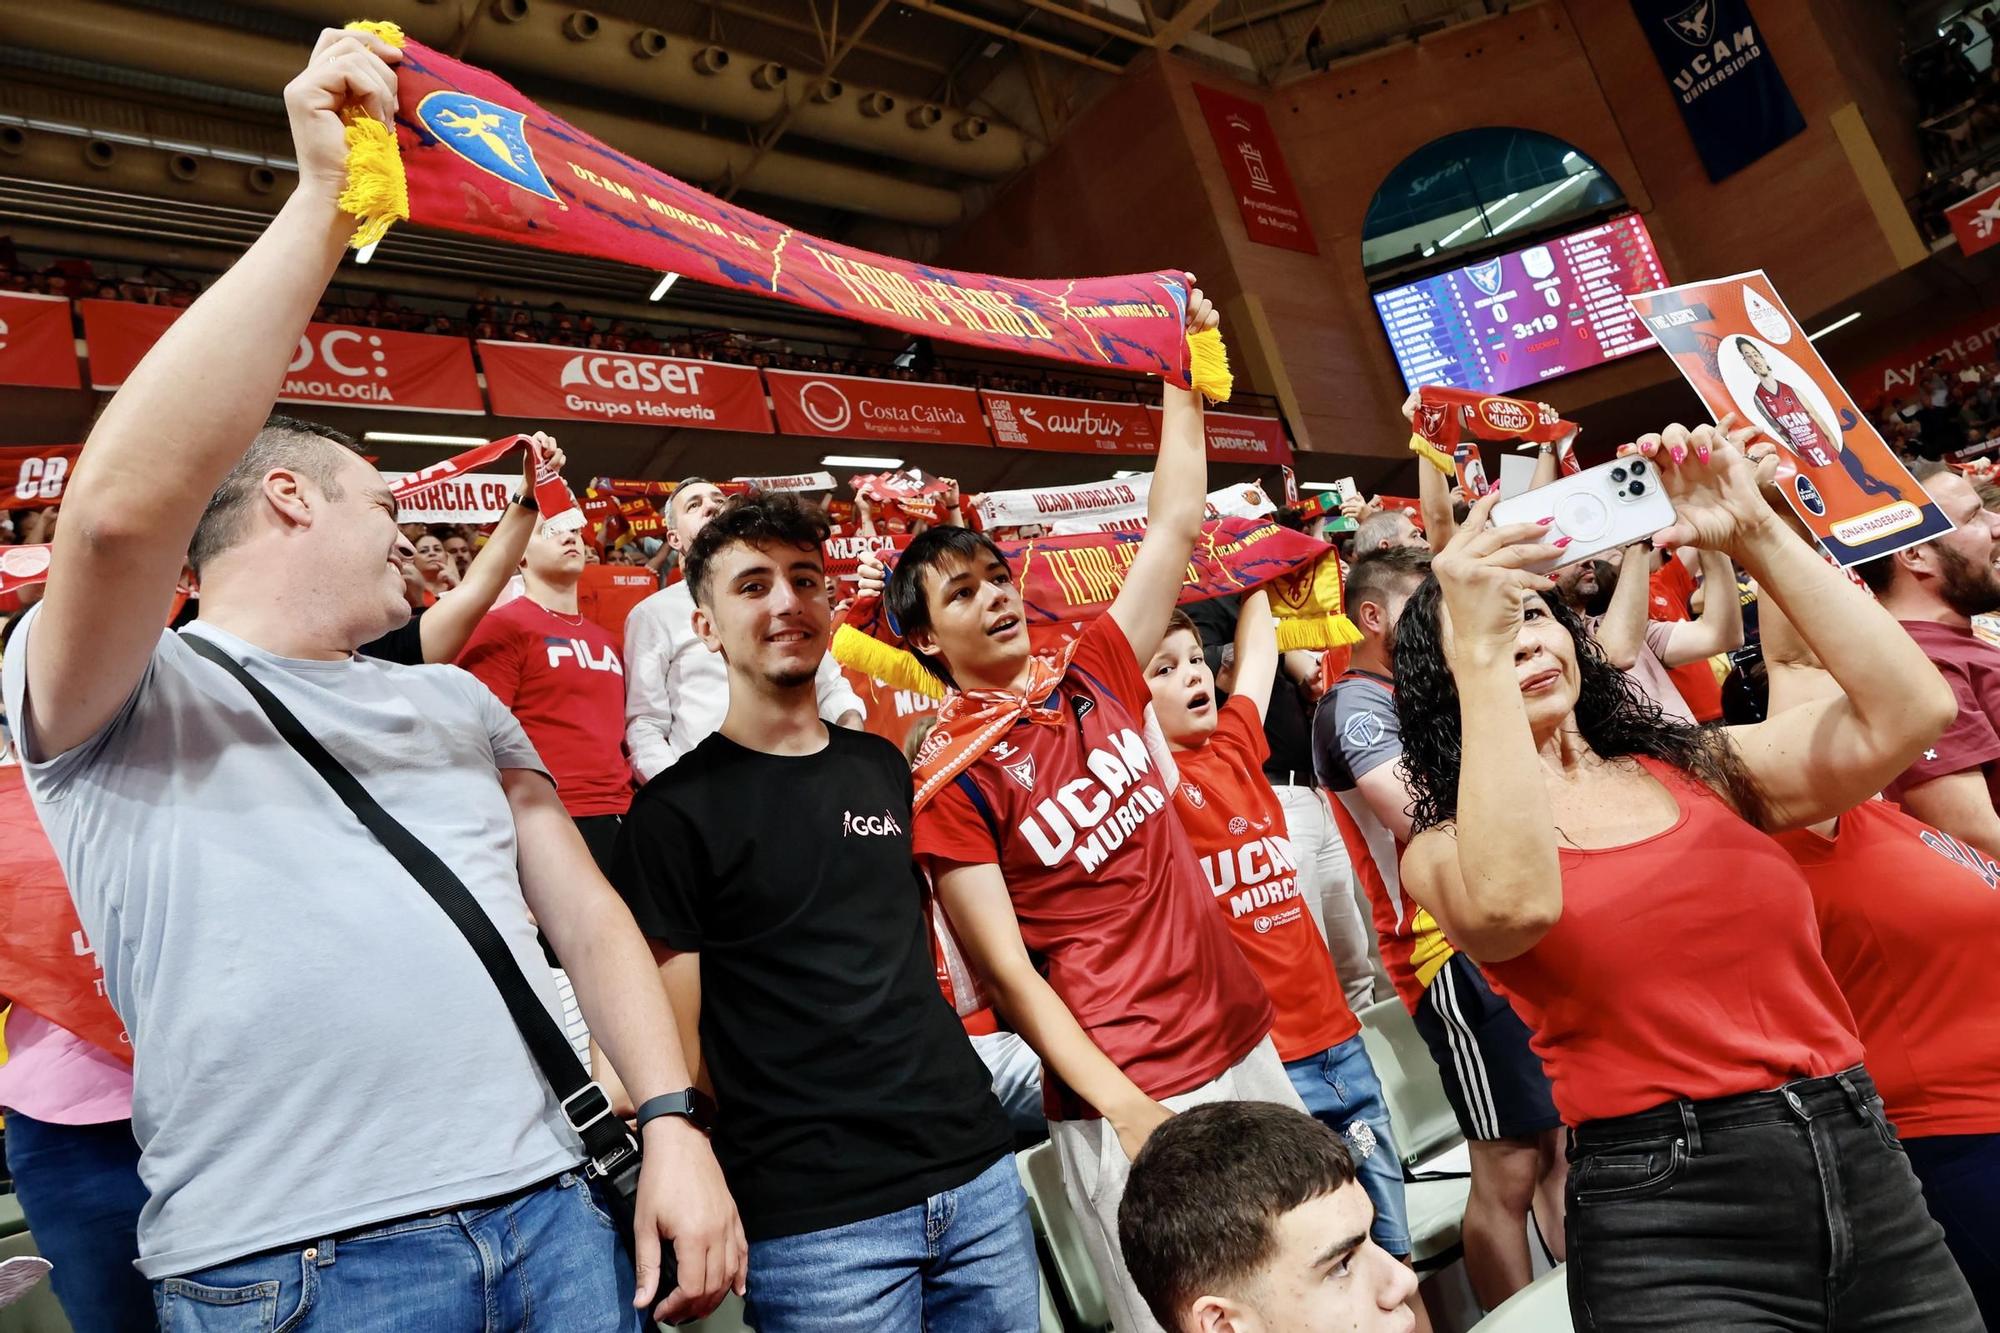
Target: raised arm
[(1719, 627), (1622, 631), (1826, 756), (1433, 491), (1256, 650), (446, 626), (186, 415), (982, 917), (1174, 510)]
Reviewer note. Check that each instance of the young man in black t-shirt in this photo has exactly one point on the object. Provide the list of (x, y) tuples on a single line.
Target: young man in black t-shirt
[(771, 869)]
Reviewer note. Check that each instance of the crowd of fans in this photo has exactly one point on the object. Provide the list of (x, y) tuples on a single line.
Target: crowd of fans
[(1953, 412), (1698, 999)]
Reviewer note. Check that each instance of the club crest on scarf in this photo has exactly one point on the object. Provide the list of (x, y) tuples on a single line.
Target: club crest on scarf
[(487, 135)]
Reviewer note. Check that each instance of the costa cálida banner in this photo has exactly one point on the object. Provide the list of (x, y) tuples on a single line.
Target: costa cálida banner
[(479, 158), (36, 345), (536, 380), (34, 476), (334, 365), (1739, 347), (853, 407)]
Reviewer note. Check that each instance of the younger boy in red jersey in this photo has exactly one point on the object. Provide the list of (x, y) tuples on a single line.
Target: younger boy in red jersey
[(1238, 829)]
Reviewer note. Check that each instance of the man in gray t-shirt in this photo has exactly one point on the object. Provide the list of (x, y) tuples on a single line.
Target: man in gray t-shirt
[(333, 1105)]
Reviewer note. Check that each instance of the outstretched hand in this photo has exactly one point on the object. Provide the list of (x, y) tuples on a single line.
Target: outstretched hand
[(1713, 484), (347, 70), (1484, 576)]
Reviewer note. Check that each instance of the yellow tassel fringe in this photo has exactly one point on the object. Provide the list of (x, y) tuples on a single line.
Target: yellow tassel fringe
[(1316, 633), (895, 667), (1433, 455), (376, 191), (1208, 366)]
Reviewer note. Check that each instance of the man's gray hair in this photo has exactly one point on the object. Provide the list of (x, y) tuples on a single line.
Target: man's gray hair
[(1379, 530), (313, 451)]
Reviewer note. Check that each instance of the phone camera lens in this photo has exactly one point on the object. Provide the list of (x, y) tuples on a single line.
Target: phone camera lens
[(1618, 474), (1638, 467), (1636, 488)]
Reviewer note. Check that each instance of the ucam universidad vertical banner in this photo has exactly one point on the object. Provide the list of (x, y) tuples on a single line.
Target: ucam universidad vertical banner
[(1732, 98)]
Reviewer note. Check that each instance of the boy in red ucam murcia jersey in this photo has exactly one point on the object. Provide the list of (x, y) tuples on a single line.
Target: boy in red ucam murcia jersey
[(1044, 817), (1238, 829)]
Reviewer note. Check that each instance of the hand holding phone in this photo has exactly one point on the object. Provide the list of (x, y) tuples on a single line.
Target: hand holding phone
[(1611, 505)]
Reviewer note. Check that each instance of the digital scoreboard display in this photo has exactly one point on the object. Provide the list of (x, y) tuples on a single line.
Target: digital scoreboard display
[(1525, 316)]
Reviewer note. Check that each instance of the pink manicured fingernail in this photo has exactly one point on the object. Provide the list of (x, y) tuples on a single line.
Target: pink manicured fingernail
[(1546, 521), (1680, 455), (1560, 542), (1702, 453)]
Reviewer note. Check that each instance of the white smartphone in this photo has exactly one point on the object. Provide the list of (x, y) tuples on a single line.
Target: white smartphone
[(1612, 504)]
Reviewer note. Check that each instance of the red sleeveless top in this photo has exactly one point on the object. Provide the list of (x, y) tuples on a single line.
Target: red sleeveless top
[(1684, 965)]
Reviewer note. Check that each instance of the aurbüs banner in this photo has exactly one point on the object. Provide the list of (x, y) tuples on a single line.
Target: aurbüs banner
[(578, 384), (1070, 425)]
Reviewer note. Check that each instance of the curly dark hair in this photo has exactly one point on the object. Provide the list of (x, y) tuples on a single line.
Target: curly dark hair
[(757, 520), (1612, 713)]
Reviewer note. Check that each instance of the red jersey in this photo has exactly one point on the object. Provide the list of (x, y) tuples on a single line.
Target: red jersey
[(1106, 887), (1673, 599), (1784, 407), (1971, 666), (1238, 829), (1686, 964), (1909, 920), (561, 677)]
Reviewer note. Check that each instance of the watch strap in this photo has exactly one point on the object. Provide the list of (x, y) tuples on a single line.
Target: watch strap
[(691, 1104)]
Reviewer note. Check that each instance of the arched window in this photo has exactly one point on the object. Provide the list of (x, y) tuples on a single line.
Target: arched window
[(1478, 189)]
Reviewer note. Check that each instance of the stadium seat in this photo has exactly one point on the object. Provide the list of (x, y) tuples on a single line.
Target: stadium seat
[(1059, 1238), (1426, 1131), (728, 1318), (1540, 1307), (36, 1312), (11, 1218)]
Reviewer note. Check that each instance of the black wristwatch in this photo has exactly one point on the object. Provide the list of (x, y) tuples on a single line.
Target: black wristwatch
[(527, 501), (690, 1104)]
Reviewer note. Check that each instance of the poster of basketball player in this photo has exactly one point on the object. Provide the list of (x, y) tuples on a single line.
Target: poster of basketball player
[(1739, 347)]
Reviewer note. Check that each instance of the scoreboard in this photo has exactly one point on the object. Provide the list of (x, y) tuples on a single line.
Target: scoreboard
[(1525, 316)]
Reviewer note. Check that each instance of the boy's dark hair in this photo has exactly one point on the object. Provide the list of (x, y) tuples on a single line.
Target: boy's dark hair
[(1743, 344), (1182, 620), (1880, 573), (1203, 1196), (305, 447), (905, 598), (756, 520), (1376, 575)]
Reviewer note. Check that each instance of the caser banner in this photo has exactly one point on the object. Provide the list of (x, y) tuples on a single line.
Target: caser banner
[(849, 407), (32, 476), (537, 380), (36, 345), (334, 364)]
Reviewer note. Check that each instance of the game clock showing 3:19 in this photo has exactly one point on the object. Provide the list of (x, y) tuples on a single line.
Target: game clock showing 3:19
[(1525, 316)]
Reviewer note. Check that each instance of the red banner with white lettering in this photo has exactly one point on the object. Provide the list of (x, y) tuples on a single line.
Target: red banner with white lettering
[(1272, 211), (570, 383), (32, 476), (333, 365), (1240, 439), (1976, 221), (1070, 425), (36, 345), (1966, 343), (848, 407)]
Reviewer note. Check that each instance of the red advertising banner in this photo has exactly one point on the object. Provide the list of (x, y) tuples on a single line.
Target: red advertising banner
[(1901, 376), (1070, 425), (334, 364), (36, 345), (849, 407), (32, 476), (1241, 439), (535, 380), (1976, 221), (1272, 212)]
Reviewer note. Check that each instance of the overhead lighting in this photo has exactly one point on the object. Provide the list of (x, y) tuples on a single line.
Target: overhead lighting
[(1840, 323), (1540, 199), (398, 437), (664, 285), (858, 460), (366, 252)]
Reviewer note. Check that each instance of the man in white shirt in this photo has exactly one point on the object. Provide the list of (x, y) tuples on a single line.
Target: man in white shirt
[(676, 690)]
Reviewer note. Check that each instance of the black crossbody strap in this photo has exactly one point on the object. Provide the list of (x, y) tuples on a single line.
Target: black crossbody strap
[(612, 1150)]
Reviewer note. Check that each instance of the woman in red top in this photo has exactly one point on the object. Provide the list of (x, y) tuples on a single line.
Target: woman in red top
[(1611, 869), (1909, 921)]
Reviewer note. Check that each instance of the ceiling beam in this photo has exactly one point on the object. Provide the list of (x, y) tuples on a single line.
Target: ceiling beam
[(1119, 30), (1185, 20), (841, 48), (810, 30), (1246, 18), (1015, 35)]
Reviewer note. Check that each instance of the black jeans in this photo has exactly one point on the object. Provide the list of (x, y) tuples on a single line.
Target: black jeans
[(1782, 1210), (1960, 1174)]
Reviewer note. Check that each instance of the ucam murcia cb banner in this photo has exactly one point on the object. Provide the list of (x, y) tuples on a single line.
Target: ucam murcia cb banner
[(334, 364), (1105, 506), (473, 497), (34, 476), (549, 382)]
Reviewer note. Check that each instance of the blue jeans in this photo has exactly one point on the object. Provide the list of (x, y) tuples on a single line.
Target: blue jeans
[(546, 1261), (1340, 1088), (960, 1262), (1960, 1175), (79, 1187)]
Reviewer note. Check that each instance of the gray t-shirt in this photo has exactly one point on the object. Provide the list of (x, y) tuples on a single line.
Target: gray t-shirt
[(317, 1047)]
